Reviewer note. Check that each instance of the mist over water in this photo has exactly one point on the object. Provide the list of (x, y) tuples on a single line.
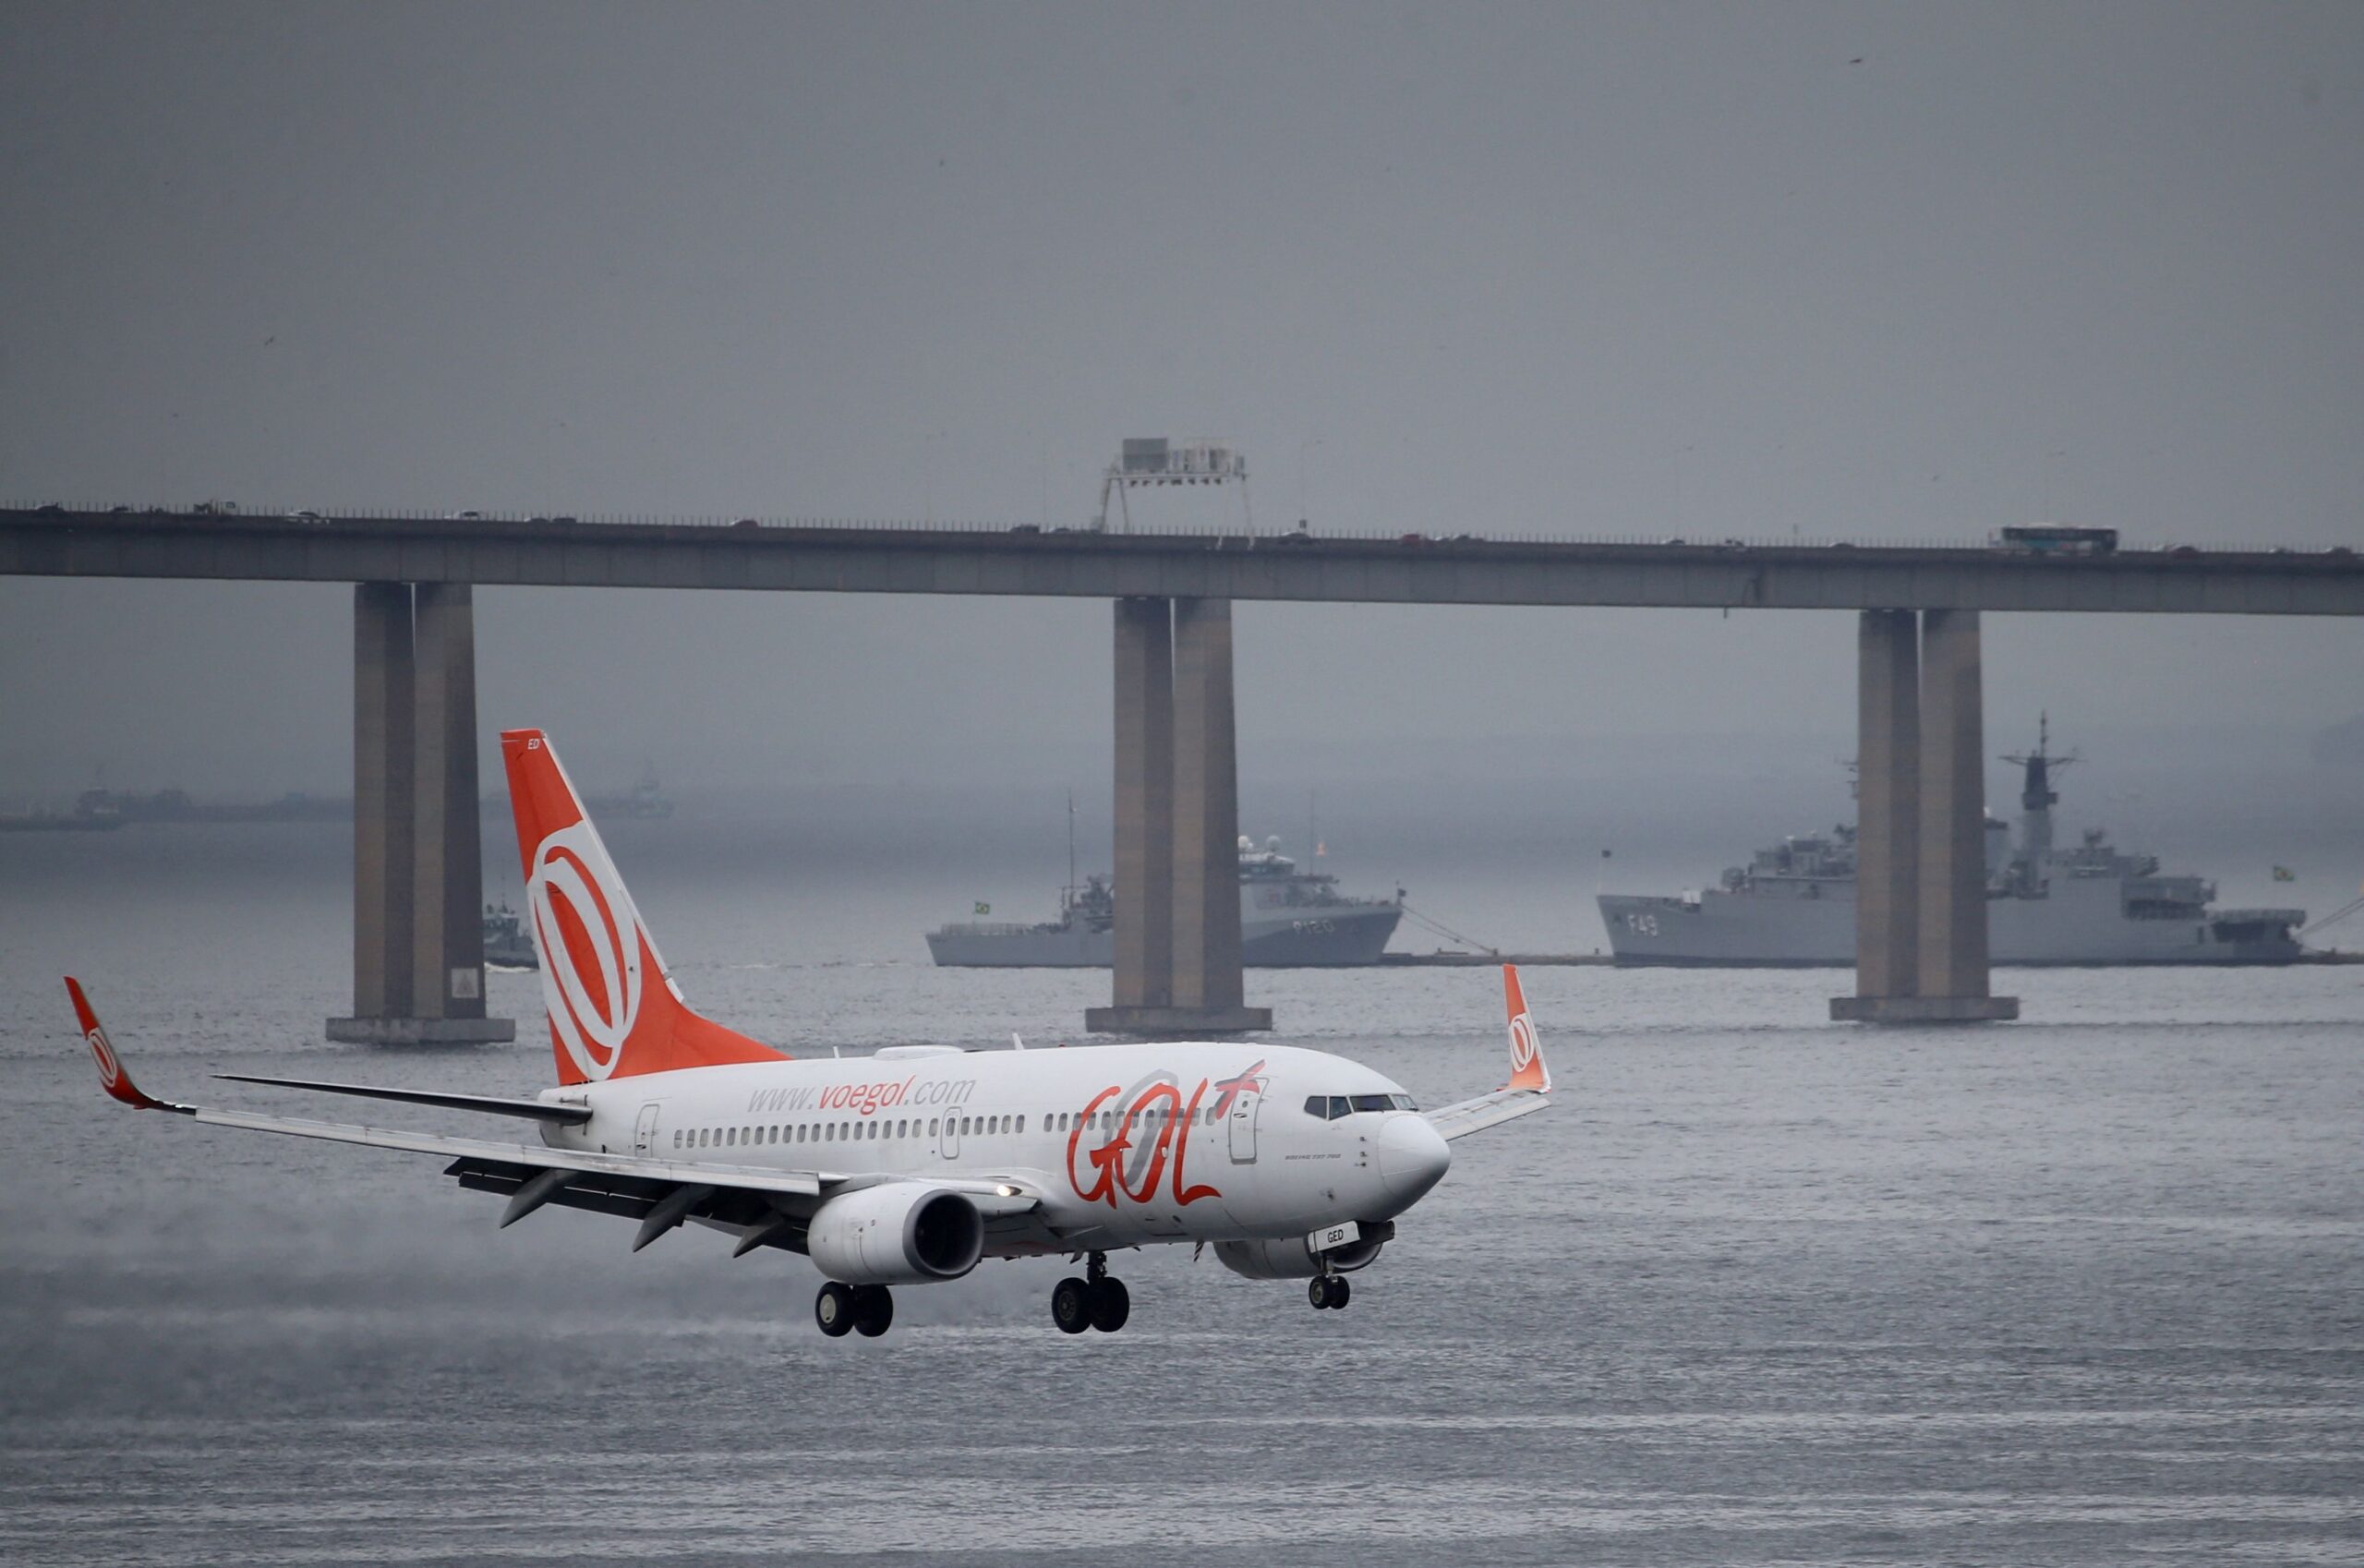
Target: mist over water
[(1759, 1287)]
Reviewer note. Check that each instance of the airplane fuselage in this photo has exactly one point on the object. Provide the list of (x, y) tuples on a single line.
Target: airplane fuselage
[(1125, 1144)]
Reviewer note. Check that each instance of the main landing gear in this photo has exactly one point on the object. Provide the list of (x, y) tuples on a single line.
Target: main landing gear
[(869, 1308), (1095, 1301), (1328, 1290)]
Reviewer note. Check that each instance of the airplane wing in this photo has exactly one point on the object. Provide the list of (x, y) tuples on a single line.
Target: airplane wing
[(1528, 1090), (767, 1207)]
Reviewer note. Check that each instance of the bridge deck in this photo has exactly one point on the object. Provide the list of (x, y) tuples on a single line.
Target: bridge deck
[(1094, 565)]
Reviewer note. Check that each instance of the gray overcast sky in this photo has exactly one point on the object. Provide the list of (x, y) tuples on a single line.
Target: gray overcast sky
[(1878, 272)]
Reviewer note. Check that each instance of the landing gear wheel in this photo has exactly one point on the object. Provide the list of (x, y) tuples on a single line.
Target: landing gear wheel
[(873, 1310), (1111, 1305), (1339, 1291), (1317, 1290), (1071, 1306), (833, 1309)]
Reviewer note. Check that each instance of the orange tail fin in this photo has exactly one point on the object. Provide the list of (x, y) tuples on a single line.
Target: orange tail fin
[(614, 1008), (1528, 1069)]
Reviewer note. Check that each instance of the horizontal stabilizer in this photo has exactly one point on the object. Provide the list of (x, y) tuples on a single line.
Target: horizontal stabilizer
[(495, 1105)]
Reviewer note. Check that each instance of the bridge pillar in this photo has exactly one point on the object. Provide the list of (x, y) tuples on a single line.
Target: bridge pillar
[(447, 921), (1177, 940), (1143, 975), (417, 884), (1921, 836), (1888, 792), (382, 679)]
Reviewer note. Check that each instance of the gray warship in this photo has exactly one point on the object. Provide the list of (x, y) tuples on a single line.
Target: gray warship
[(2090, 903), (1289, 919), (506, 943)]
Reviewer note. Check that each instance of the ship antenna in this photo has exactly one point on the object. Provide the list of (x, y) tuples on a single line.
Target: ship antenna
[(1070, 840)]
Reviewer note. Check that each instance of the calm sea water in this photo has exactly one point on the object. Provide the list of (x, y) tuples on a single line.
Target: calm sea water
[(2086, 1289)]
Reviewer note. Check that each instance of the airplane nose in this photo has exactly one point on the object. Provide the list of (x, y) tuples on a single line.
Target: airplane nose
[(1413, 1156)]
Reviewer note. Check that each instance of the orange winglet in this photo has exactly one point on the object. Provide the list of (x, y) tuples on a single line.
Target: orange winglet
[(113, 1078), (1528, 1069)]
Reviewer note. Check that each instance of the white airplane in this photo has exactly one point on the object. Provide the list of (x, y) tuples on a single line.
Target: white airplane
[(909, 1166)]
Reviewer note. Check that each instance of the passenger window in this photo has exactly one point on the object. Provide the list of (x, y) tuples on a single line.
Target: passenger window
[(933, 1125), (1021, 1124)]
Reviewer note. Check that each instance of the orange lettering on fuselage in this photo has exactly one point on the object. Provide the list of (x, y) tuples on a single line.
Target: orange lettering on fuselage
[(1107, 1179)]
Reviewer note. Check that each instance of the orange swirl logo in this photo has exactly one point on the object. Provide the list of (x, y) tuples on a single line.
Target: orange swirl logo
[(590, 940), (1522, 1043), (110, 1069)]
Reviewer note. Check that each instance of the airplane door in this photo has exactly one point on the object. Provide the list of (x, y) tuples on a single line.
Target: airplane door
[(644, 1131), (1244, 1107), (950, 1143)]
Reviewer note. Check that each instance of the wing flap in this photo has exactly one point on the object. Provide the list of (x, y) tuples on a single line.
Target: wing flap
[(670, 1173), (497, 1105)]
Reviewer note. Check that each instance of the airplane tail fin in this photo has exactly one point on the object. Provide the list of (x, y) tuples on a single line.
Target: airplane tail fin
[(614, 1010)]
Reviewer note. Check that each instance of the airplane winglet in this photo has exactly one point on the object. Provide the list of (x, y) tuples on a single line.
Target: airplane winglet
[(1528, 1070), (113, 1076)]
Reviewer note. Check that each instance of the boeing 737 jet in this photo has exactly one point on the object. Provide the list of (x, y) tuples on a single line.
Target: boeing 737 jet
[(910, 1166)]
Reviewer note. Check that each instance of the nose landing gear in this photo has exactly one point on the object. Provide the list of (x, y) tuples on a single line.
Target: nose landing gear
[(1096, 1301), (866, 1309), (1328, 1290)]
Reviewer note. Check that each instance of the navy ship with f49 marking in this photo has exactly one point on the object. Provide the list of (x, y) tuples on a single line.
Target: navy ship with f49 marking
[(2092, 903)]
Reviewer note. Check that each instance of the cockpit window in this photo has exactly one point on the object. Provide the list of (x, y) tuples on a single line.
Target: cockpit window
[(1330, 1107)]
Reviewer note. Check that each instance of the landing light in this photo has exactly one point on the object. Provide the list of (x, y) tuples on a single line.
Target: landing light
[(1007, 1191)]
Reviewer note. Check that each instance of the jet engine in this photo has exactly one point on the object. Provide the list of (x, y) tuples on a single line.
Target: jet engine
[(898, 1233), (1292, 1258)]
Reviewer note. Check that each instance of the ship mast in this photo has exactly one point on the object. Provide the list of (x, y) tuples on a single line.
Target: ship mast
[(2037, 797)]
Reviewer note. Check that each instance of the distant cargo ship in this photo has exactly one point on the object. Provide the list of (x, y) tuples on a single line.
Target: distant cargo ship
[(109, 806), (60, 822), (1289, 919), (1794, 904)]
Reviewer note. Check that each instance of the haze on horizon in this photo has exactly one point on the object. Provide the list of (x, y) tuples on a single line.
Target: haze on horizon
[(1823, 270)]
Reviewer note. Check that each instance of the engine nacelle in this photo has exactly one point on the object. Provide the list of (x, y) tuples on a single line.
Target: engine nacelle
[(900, 1233), (1292, 1258)]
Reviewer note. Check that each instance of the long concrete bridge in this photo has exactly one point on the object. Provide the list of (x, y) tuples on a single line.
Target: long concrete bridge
[(417, 954)]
